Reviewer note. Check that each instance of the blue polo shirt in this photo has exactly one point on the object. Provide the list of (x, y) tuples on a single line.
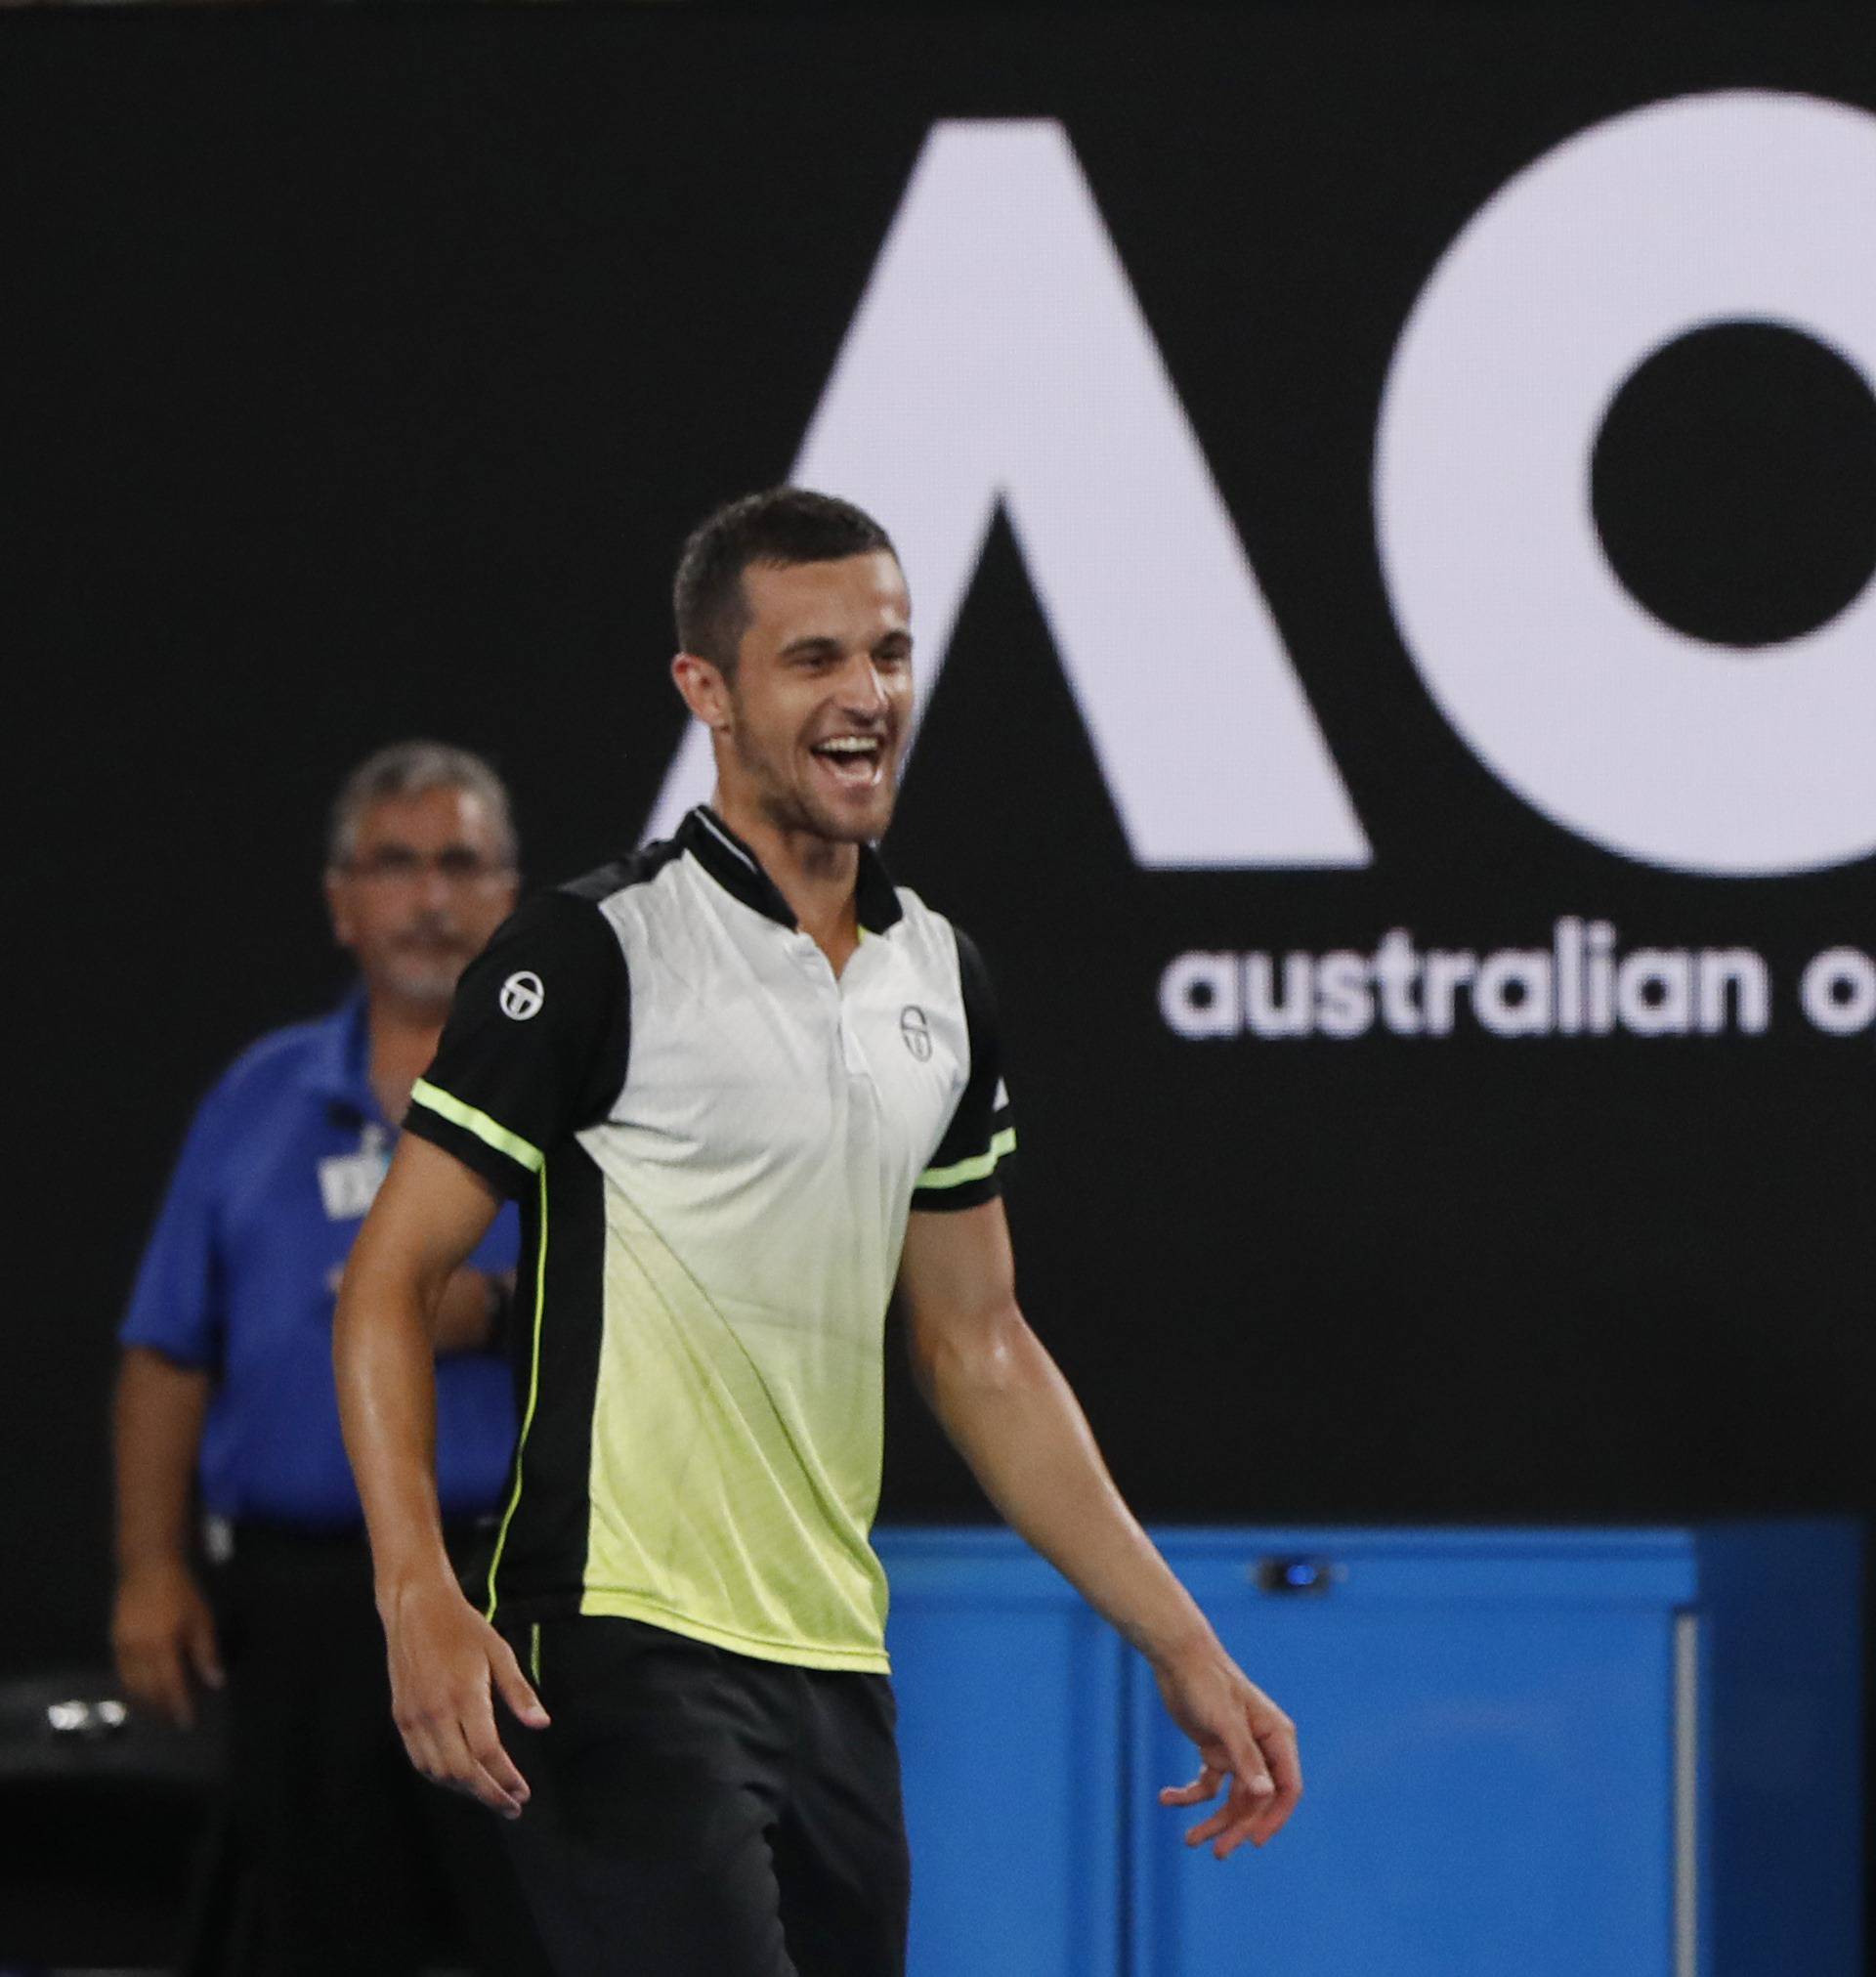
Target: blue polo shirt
[(242, 1269)]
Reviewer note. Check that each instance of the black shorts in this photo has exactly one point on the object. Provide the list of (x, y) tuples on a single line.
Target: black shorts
[(343, 1859), (696, 1813)]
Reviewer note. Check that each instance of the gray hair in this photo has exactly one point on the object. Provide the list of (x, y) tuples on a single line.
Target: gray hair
[(413, 769)]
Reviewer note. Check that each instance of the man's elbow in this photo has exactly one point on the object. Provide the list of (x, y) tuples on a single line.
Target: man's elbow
[(986, 1351), (363, 1301)]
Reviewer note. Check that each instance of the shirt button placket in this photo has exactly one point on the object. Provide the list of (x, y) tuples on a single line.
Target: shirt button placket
[(851, 1054)]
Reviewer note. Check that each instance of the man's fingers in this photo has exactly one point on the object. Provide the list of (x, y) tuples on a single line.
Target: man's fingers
[(1232, 1823), (1209, 1828), (513, 1686), (1244, 1817), (464, 1756), (1204, 1786), (155, 1678), (133, 1676), (440, 1753), (448, 1665), (1240, 1734), (422, 1752), (1266, 1782), (1279, 1747), (499, 1768), (485, 1750), (1248, 1768), (464, 1771), (1285, 1771), (204, 1653), (1260, 1802), (182, 1695)]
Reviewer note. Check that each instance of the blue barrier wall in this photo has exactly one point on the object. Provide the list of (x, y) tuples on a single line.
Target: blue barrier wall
[(1559, 1753)]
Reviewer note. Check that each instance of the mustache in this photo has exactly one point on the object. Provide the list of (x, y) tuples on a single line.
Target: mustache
[(430, 933)]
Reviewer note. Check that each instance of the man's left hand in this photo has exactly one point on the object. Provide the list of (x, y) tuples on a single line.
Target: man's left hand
[(1241, 1736)]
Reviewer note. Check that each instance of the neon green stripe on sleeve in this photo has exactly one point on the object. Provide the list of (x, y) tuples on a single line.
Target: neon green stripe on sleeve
[(486, 1128), (973, 1169)]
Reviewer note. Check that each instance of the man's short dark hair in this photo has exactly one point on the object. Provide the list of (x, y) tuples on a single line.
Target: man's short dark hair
[(779, 527)]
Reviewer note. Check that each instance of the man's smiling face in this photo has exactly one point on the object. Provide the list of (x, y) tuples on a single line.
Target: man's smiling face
[(818, 706)]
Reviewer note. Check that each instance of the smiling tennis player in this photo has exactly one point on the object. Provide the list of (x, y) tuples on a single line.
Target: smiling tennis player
[(743, 1088)]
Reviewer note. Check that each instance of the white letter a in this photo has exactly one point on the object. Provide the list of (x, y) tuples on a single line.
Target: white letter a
[(998, 354)]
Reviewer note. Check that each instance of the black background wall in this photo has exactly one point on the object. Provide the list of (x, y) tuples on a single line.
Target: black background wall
[(366, 369)]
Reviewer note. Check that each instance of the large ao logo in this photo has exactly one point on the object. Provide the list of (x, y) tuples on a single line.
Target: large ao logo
[(999, 355)]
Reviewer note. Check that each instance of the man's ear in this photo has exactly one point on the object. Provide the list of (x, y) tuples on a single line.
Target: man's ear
[(338, 904), (705, 692)]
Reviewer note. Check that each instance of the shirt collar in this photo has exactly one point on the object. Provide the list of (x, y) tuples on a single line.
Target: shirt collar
[(738, 870), (337, 1067)]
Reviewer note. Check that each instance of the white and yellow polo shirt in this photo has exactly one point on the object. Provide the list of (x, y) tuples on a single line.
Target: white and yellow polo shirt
[(715, 1143)]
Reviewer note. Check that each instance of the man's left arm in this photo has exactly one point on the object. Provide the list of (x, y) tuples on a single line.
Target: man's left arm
[(1003, 1404)]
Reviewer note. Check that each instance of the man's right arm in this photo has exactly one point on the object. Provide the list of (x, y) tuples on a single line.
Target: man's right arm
[(162, 1634), (508, 1080), (447, 1662)]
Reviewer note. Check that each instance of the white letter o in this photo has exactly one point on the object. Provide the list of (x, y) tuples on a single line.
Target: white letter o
[(1839, 991), (1743, 205)]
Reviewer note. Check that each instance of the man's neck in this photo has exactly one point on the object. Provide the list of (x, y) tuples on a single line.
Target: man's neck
[(814, 875), (402, 1040)]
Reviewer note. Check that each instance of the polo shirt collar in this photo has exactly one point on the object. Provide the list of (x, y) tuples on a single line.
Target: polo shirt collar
[(336, 1067), (738, 870)]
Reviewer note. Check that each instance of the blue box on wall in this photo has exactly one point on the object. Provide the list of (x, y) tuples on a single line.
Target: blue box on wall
[(1559, 1753), (1012, 1703)]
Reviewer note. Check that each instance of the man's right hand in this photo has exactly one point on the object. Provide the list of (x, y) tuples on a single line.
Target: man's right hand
[(163, 1636), (447, 1664)]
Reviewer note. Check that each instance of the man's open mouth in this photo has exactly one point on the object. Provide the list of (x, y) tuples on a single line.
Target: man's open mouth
[(854, 762)]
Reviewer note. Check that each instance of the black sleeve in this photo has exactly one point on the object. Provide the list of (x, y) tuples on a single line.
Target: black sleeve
[(964, 1172), (535, 1046)]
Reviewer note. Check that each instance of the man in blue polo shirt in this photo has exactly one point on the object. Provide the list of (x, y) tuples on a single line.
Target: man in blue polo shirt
[(226, 1387)]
